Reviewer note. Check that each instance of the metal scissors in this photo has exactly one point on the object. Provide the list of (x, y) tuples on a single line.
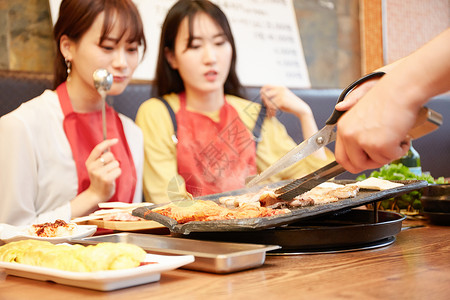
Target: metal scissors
[(426, 122)]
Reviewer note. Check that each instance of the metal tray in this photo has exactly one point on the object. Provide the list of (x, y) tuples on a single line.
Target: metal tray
[(296, 214), (214, 257), (354, 230)]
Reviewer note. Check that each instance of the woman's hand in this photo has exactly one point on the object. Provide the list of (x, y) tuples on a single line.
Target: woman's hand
[(103, 170), (281, 98)]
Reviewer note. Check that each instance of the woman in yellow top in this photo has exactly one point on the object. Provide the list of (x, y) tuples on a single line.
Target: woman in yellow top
[(200, 137)]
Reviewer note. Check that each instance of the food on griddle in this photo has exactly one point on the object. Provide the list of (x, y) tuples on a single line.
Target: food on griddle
[(247, 199), (207, 210), (75, 258), (322, 194), (263, 203), (373, 183), (410, 201), (58, 228)]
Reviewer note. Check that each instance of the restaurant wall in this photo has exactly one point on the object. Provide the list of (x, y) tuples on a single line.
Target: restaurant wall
[(409, 24), (329, 30), (392, 29), (341, 38), (26, 42)]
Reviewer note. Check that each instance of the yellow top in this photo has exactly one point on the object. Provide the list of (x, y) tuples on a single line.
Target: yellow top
[(161, 180)]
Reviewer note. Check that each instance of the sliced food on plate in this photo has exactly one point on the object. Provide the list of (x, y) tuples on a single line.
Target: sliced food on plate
[(55, 232), (59, 228), (118, 216), (105, 266), (113, 211)]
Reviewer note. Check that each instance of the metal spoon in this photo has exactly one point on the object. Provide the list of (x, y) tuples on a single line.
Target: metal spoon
[(103, 81)]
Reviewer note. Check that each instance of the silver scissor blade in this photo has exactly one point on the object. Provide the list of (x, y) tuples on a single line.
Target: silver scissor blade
[(323, 137), (310, 181)]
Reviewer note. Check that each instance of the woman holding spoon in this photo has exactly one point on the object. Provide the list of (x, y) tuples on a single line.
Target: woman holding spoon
[(55, 161)]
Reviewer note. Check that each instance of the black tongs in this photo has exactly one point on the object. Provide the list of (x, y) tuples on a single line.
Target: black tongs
[(427, 121)]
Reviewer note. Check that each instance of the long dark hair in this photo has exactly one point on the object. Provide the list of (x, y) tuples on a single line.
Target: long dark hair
[(168, 80), (77, 16)]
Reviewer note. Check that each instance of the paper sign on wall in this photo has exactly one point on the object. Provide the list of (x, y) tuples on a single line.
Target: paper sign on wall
[(269, 49)]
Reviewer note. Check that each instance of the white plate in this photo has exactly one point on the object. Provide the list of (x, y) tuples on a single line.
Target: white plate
[(10, 233), (102, 280)]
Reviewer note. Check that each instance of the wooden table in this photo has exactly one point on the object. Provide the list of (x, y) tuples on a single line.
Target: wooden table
[(416, 266)]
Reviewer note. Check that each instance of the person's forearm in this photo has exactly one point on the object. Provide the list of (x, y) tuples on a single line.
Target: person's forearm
[(425, 73), (308, 123), (373, 131), (84, 204), (432, 75)]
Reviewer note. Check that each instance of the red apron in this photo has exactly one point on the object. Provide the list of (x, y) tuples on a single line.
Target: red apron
[(213, 157), (84, 132)]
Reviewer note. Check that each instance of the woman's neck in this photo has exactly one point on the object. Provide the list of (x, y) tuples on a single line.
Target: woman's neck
[(83, 100), (205, 102)]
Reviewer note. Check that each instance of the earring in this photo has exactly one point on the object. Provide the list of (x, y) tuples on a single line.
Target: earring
[(69, 68)]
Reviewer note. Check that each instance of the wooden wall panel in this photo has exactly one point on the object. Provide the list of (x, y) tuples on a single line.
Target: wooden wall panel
[(371, 35)]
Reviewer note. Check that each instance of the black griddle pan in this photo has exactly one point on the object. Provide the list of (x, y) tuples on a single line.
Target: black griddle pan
[(296, 214), (355, 229)]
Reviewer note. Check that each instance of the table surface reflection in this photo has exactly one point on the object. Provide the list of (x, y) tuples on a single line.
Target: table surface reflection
[(415, 266)]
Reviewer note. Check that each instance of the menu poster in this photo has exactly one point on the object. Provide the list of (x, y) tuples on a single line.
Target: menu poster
[(269, 49)]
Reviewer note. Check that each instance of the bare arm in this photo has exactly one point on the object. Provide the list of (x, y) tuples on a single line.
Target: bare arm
[(370, 133), (279, 97)]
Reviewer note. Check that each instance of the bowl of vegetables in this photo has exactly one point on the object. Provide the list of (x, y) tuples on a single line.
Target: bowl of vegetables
[(409, 202)]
